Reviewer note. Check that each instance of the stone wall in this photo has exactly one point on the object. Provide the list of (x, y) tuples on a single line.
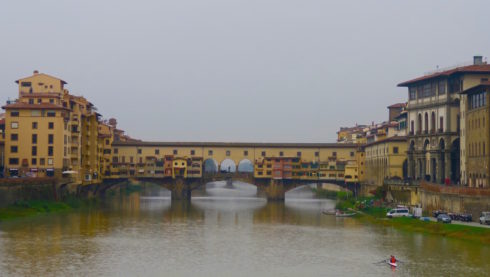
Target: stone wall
[(454, 203), (23, 189)]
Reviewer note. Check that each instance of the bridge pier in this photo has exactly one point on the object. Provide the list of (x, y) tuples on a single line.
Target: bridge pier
[(181, 189), (275, 190)]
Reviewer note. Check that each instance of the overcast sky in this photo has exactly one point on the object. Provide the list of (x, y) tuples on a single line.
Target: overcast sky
[(229, 70)]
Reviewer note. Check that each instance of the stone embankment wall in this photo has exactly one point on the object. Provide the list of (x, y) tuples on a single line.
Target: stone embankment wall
[(454, 199), (23, 189)]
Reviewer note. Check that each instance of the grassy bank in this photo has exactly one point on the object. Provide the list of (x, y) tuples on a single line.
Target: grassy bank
[(37, 207), (329, 194), (377, 215)]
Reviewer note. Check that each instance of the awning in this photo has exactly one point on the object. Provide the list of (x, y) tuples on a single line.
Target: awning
[(13, 169), (33, 169), (50, 169), (69, 172)]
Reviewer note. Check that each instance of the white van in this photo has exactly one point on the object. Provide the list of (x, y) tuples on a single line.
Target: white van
[(398, 212)]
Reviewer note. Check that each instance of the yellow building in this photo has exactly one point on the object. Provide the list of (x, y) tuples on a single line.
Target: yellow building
[(477, 135), (49, 131), (386, 159), (270, 160)]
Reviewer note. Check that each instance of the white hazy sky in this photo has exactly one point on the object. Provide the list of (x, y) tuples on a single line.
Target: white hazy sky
[(238, 70)]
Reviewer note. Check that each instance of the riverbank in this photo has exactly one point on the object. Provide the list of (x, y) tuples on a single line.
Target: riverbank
[(31, 208), (377, 215)]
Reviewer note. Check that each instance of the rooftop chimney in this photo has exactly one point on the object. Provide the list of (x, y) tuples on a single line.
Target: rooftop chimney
[(36, 72), (477, 60)]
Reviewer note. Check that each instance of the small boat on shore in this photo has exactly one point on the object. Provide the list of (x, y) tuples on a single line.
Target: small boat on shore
[(330, 212), (342, 214)]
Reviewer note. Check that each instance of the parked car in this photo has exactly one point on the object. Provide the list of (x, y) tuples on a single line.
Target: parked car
[(398, 212), (437, 213), (485, 218), (444, 218)]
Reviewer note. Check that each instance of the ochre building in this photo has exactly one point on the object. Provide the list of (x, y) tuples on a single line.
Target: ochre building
[(386, 159), (477, 135)]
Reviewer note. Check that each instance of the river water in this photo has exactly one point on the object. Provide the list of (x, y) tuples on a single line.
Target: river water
[(223, 232)]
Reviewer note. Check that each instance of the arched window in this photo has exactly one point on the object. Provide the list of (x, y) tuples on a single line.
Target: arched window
[(426, 129), (419, 123), (433, 122), (441, 124)]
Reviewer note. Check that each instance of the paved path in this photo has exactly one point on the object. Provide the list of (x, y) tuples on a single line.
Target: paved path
[(474, 224)]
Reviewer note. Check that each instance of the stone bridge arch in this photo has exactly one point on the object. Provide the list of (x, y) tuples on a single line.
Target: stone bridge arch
[(210, 166), (245, 166), (228, 165)]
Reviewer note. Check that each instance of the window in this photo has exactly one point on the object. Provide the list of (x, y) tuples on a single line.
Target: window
[(13, 149), (50, 125), (245, 153), (395, 150), (157, 151), (442, 87), (25, 84), (441, 124), (412, 93), (34, 138), (193, 152), (131, 159), (50, 151), (31, 101), (14, 113), (334, 154), (14, 137), (41, 161), (51, 100), (352, 154), (317, 154), (210, 152), (228, 152), (50, 161), (14, 161), (139, 151), (14, 125), (175, 152), (263, 153), (39, 100), (34, 161), (34, 151), (51, 114), (298, 154), (281, 153), (50, 139), (34, 125)]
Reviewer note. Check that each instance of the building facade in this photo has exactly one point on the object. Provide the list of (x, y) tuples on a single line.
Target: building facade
[(477, 135), (386, 159), (50, 132), (434, 125)]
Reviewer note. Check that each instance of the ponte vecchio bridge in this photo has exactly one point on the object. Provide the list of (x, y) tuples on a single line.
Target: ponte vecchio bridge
[(273, 167)]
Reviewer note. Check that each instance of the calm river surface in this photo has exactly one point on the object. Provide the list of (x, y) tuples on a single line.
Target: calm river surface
[(223, 232)]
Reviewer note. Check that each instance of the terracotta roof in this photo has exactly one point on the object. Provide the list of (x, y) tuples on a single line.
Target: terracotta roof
[(34, 106), (398, 105), (483, 68), (234, 144), (37, 74), (483, 84)]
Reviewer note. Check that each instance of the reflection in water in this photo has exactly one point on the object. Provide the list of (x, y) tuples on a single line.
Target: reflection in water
[(226, 234)]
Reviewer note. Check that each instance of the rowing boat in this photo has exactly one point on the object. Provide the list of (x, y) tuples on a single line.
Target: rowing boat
[(340, 214)]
